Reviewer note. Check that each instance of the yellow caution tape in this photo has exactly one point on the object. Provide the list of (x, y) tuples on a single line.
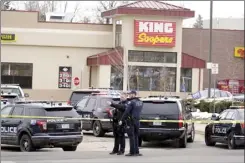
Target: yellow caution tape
[(142, 120)]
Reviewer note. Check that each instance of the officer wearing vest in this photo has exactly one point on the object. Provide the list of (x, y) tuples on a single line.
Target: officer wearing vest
[(119, 130), (133, 110)]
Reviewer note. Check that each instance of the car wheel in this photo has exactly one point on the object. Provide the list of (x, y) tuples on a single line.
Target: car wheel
[(70, 148), (208, 140), (231, 141), (192, 136), (97, 129), (182, 142), (140, 142), (26, 144)]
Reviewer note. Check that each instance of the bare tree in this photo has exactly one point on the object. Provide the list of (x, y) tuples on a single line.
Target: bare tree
[(75, 11), (104, 6), (42, 6), (85, 19), (65, 7), (6, 5)]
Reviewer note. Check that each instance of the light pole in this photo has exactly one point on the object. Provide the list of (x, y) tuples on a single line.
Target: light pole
[(210, 47)]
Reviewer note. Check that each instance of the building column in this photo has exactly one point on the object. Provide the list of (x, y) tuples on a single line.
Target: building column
[(125, 69), (195, 80), (104, 76), (114, 24), (178, 71)]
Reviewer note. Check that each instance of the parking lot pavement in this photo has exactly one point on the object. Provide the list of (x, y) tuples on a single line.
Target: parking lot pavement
[(96, 150), (91, 143), (200, 128)]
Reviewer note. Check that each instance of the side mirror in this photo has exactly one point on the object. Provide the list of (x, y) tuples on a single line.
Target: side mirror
[(26, 95), (214, 117)]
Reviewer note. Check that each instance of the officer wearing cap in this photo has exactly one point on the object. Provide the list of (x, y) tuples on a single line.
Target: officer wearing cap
[(119, 129), (133, 110)]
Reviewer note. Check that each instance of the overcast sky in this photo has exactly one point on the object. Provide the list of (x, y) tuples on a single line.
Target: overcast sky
[(221, 9)]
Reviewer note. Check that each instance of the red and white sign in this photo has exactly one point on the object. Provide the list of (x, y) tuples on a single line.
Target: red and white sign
[(76, 81), (154, 33)]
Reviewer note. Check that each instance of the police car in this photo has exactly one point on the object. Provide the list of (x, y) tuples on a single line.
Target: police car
[(7, 98), (181, 129), (14, 89), (228, 128), (95, 107), (34, 125), (78, 94)]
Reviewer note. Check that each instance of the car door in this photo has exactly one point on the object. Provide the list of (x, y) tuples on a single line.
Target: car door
[(218, 128), (187, 116), (227, 126), (14, 124), (87, 113), (4, 128), (81, 105)]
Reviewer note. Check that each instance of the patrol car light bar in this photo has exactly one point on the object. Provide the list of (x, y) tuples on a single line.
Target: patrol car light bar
[(10, 84), (41, 101), (110, 88)]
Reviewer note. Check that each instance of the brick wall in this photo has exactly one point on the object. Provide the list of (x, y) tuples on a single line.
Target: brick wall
[(195, 42)]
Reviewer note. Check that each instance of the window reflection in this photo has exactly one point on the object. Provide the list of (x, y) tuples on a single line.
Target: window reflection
[(152, 78), (186, 80), (149, 56), (117, 77)]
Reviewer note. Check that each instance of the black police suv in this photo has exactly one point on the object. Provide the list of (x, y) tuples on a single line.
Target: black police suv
[(163, 108), (96, 107), (46, 126), (224, 130), (77, 95)]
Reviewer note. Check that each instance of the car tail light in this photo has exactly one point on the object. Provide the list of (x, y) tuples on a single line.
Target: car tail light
[(242, 125), (109, 112), (180, 121), (69, 102), (42, 124)]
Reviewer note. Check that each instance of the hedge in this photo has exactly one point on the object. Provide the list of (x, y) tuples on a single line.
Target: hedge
[(211, 107)]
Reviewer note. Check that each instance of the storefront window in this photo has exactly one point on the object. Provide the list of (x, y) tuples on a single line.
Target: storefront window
[(152, 78), (117, 77), (17, 73), (186, 80), (149, 56)]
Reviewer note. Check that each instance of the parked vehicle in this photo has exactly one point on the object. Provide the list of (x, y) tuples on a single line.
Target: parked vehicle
[(217, 95), (36, 133), (77, 95), (230, 133), (238, 97), (14, 89), (96, 107), (166, 109)]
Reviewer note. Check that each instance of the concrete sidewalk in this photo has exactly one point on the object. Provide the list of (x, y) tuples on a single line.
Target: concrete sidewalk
[(200, 128)]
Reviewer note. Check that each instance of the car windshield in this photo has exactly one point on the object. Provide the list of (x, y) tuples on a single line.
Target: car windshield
[(151, 107), (103, 101), (77, 96), (11, 90), (61, 112), (204, 93)]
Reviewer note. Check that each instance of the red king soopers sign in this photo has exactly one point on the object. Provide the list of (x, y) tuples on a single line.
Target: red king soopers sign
[(154, 33)]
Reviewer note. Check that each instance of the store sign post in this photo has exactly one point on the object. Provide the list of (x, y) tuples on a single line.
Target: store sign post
[(239, 52), (154, 33), (65, 77)]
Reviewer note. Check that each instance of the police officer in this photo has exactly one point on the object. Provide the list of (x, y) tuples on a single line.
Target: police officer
[(133, 110), (118, 130)]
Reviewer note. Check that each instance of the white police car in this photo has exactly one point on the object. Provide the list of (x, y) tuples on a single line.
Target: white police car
[(14, 89)]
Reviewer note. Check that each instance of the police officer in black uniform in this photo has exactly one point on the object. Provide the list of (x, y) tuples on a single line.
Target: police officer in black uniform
[(119, 130), (133, 110)]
